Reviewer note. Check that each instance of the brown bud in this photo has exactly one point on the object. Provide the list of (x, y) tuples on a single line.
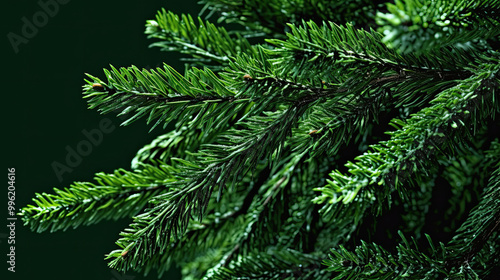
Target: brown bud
[(247, 77), (97, 86), (313, 131)]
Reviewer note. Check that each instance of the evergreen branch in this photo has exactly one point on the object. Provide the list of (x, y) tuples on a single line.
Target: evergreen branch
[(454, 111), (204, 41), (179, 143), (262, 79), (482, 223), (202, 240), (272, 121), (371, 261), (154, 230), (271, 211), (114, 196), (211, 176), (261, 17), (268, 212), (333, 122), (272, 264), (272, 17), (467, 172), (418, 26), (357, 12), (165, 95), (334, 54)]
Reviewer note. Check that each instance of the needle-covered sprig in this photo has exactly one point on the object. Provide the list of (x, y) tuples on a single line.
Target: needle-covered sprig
[(253, 183)]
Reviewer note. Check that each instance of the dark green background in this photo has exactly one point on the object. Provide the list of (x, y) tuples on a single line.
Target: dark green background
[(43, 112)]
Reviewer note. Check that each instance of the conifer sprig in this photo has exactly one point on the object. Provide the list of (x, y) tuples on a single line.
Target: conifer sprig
[(181, 143), (113, 196), (232, 191), (273, 264), (414, 145), (207, 44), (453, 261), (163, 95), (471, 238), (342, 52), (234, 155), (371, 261), (419, 26), (271, 17)]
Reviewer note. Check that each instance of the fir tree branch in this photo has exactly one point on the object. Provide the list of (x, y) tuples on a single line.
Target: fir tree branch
[(165, 95), (179, 143), (333, 123), (335, 54), (205, 42), (272, 17), (271, 211), (411, 152), (371, 261), (272, 264), (418, 26), (114, 196), (271, 123), (172, 211), (261, 17), (203, 238), (483, 221)]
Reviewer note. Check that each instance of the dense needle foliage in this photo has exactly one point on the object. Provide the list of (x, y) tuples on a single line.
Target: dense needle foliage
[(313, 139)]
